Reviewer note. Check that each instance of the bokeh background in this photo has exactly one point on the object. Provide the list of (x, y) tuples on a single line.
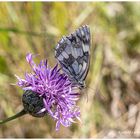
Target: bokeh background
[(110, 105)]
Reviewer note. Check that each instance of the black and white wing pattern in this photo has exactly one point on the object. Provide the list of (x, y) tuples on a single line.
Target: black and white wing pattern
[(73, 54)]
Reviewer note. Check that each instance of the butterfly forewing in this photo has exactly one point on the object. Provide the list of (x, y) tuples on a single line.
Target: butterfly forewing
[(72, 52)]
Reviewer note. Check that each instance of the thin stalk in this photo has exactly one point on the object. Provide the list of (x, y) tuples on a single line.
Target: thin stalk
[(21, 113)]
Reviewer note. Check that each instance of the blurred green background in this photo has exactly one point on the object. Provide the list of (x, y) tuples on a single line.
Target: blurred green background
[(110, 104)]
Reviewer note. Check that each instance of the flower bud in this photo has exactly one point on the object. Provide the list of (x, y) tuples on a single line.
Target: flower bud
[(33, 103)]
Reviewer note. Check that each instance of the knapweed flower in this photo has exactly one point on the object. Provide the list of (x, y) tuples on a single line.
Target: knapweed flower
[(55, 89)]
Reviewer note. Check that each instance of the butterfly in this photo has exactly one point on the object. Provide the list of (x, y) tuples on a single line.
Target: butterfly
[(73, 54)]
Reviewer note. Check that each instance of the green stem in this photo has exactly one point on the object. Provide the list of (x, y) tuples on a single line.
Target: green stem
[(21, 113), (14, 30)]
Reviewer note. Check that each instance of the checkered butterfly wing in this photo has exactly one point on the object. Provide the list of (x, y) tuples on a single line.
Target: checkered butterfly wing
[(73, 54)]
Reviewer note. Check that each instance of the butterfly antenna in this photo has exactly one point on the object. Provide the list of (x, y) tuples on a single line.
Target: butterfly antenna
[(87, 96), (96, 91)]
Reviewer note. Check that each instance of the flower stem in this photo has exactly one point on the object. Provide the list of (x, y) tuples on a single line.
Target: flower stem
[(21, 113)]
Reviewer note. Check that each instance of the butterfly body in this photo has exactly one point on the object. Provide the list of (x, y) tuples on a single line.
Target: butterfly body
[(73, 54)]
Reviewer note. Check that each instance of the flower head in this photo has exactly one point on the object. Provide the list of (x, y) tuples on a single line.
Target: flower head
[(57, 92)]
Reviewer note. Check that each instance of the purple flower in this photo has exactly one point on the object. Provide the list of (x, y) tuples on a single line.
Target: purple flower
[(58, 95)]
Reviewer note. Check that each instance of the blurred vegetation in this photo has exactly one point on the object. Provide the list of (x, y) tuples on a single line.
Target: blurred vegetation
[(112, 107)]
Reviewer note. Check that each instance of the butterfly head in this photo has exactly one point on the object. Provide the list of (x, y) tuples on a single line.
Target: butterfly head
[(81, 84)]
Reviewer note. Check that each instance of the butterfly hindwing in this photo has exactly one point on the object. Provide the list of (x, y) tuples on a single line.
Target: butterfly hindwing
[(72, 52)]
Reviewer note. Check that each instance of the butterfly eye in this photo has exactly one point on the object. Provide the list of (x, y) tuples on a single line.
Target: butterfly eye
[(82, 83)]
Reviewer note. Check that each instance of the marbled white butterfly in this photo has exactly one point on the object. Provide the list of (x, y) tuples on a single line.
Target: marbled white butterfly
[(73, 54)]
